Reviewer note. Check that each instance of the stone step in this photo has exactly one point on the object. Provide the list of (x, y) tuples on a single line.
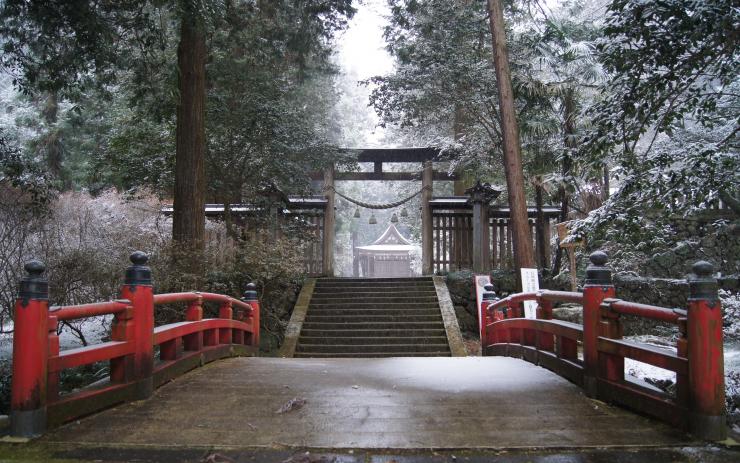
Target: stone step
[(370, 292), (377, 340), (373, 317), (398, 306), (405, 297), (371, 354), (346, 318), (373, 280), (374, 284), (350, 348), (376, 299), (375, 288), (374, 314), (373, 326), (432, 332), (373, 310)]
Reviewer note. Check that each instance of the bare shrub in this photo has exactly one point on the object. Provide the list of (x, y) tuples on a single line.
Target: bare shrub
[(84, 242)]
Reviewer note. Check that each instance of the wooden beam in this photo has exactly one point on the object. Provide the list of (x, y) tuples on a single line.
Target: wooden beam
[(395, 154), (384, 176)]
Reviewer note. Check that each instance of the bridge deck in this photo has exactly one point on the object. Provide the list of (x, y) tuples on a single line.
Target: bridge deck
[(403, 403)]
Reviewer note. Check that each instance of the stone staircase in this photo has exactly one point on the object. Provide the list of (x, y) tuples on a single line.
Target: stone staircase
[(378, 317)]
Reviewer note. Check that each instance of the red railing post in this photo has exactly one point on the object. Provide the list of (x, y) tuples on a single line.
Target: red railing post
[(598, 286), (225, 311), (194, 313), (705, 354), (545, 341), (682, 350), (137, 288), (567, 348), (123, 329), (514, 334), (611, 367), (30, 354), (211, 337), (250, 297), (52, 377)]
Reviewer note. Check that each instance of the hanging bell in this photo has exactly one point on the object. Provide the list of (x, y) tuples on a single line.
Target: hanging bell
[(394, 218), (357, 213), (404, 212), (372, 220)]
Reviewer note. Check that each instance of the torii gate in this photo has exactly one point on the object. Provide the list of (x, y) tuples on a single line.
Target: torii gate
[(461, 231), (458, 232), (378, 156)]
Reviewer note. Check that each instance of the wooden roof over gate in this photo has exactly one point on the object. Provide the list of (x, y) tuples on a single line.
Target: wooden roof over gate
[(378, 156), (396, 154)]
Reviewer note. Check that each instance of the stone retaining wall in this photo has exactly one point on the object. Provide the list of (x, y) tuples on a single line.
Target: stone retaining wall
[(697, 239)]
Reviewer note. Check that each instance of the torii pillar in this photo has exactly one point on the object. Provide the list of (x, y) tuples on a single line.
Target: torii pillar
[(427, 236), (327, 258)]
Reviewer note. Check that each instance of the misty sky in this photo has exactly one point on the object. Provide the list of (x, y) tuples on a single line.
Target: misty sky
[(361, 47), (361, 54)]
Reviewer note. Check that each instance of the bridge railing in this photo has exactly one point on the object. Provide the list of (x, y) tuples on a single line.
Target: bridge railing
[(592, 355), (141, 356)]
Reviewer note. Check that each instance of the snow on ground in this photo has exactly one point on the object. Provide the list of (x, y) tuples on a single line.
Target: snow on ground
[(731, 312), (645, 371), (93, 329)]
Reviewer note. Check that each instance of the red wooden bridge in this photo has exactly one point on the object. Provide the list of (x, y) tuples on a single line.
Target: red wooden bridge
[(533, 400)]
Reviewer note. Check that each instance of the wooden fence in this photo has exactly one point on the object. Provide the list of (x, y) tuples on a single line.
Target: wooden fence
[(264, 224), (452, 235), (313, 242)]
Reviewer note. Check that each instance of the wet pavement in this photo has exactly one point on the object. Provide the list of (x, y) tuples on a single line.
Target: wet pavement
[(460, 404), (649, 455)]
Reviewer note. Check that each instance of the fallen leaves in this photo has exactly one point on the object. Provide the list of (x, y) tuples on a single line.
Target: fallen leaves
[(308, 458), (217, 458), (293, 404)]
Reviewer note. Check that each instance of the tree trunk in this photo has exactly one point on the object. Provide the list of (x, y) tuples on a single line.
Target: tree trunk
[(569, 107), (458, 128), (731, 202), (188, 227), (51, 142), (522, 241)]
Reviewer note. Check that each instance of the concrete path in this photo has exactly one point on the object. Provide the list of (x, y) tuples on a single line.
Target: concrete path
[(392, 403)]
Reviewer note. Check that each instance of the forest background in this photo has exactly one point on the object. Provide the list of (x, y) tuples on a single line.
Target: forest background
[(627, 112)]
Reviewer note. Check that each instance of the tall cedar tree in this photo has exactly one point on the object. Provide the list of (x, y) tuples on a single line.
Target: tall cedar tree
[(65, 45), (62, 47), (523, 252), (188, 225)]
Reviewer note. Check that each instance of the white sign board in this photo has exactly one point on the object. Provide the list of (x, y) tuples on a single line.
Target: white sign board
[(530, 284), (480, 282)]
